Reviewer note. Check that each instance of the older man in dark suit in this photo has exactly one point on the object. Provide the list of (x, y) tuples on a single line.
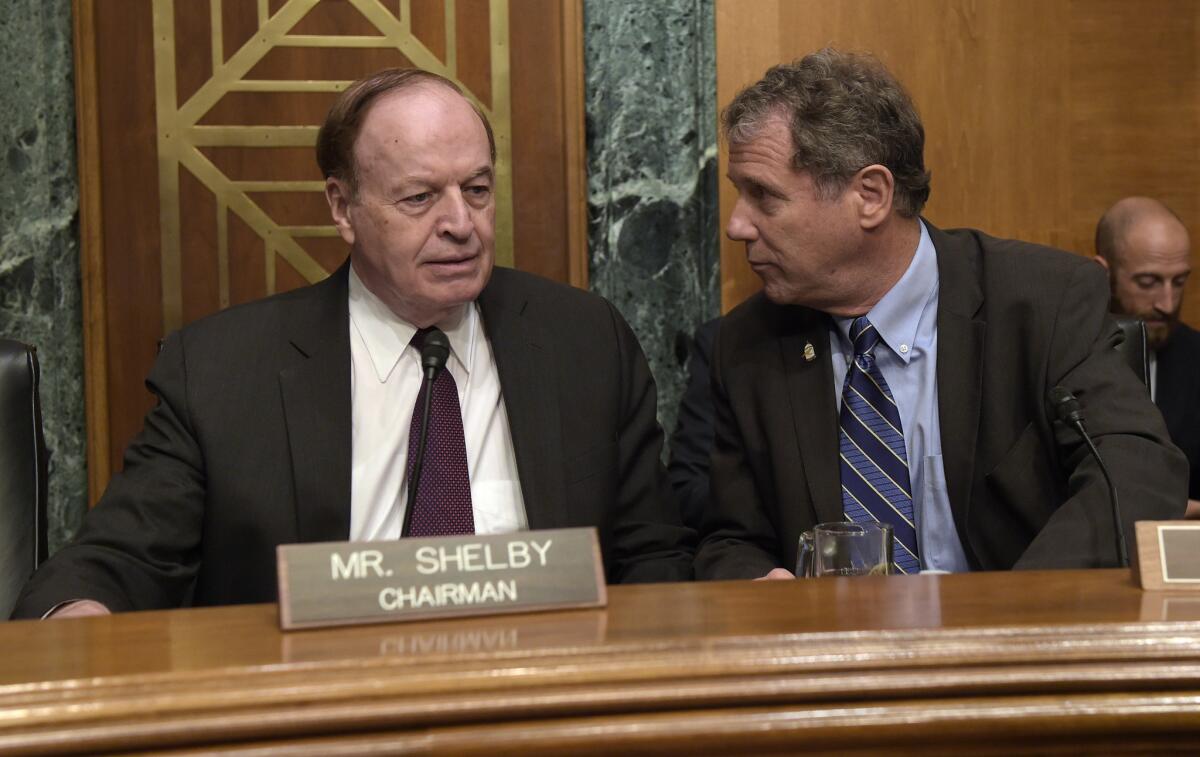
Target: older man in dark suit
[(894, 372), (292, 419)]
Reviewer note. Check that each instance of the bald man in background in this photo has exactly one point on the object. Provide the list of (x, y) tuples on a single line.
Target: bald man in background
[(1147, 252)]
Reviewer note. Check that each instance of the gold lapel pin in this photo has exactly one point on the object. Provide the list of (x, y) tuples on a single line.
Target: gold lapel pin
[(810, 354)]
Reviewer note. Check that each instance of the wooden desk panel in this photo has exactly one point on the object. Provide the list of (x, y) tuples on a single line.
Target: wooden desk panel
[(997, 663)]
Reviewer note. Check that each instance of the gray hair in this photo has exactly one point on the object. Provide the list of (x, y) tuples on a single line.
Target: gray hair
[(336, 139), (845, 112)]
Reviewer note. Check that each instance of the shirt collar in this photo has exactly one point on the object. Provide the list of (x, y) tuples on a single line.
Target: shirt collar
[(386, 336), (898, 314)]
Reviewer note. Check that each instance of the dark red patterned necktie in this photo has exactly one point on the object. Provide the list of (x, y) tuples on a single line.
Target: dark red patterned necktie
[(443, 504)]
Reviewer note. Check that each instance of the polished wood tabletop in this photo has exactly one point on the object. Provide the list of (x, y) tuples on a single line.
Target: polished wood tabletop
[(1064, 661)]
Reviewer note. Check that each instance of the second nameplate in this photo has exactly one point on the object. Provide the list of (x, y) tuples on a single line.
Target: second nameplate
[(1168, 555)]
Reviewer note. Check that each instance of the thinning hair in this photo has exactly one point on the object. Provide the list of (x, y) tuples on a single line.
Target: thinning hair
[(845, 111), (1116, 222), (339, 133)]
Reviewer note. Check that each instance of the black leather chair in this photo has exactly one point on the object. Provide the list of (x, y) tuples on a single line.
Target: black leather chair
[(1133, 346), (23, 472)]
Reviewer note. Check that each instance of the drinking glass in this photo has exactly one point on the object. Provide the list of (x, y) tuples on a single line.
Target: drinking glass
[(845, 549)]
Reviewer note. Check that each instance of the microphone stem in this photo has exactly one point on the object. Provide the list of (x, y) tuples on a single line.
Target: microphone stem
[(415, 479), (1122, 554)]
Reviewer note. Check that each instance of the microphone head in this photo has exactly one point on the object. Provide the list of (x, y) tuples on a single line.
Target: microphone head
[(1065, 405), (435, 350)]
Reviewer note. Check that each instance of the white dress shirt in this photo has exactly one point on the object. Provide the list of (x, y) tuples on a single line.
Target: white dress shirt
[(385, 378), (1153, 362)]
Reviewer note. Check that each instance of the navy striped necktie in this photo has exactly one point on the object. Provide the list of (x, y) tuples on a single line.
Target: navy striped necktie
[(875, 485)]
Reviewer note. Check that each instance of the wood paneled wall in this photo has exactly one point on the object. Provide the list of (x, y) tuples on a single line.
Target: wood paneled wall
[(1038, 113)]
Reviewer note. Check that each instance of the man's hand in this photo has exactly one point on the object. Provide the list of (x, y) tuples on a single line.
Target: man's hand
[(82, 608), (777, 574), (1193, 510)]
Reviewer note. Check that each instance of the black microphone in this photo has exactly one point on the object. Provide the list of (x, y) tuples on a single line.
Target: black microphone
[(1067, 408), (435, 350)]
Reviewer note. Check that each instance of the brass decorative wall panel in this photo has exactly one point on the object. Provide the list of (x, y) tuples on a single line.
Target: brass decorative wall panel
[(227, 116)]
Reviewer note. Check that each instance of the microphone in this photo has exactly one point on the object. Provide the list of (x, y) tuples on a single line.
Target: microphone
[(434, 353), (1067, 408), (435, 350)]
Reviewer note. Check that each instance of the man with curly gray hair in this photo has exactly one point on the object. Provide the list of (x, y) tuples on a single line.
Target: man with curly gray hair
[(893, 372)]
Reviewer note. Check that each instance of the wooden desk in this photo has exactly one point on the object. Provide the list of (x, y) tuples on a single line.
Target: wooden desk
[(1061, 662)]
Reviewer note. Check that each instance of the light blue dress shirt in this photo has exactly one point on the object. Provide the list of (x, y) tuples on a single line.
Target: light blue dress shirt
[(906, 319)]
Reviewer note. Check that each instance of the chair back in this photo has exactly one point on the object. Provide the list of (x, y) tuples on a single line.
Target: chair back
[(1133, 346), (23, 471)]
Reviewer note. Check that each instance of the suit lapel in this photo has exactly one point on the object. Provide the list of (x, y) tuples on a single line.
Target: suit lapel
[(316, 407), (959, 369), (527, 381), (813, 408)]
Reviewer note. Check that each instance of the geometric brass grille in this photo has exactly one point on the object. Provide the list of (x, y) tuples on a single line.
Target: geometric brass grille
[(184, 133)]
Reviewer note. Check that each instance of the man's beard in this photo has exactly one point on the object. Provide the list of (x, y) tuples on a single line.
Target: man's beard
[(1159, 327), (1158, 334)]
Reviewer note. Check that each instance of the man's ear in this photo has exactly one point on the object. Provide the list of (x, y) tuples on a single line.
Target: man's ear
[(1103, 263), (874, 188), (338, 195)]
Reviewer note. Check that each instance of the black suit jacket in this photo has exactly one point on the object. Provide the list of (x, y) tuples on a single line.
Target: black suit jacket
[(692, 440), (1177, 395), (1014, 320), (249, 447)]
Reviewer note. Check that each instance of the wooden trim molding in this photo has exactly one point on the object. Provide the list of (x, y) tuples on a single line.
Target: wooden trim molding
[(576, 147), (91, 248), (1053, 662)]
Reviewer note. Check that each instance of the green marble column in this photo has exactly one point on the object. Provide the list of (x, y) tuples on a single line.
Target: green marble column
[(39, 246), (652, 161)]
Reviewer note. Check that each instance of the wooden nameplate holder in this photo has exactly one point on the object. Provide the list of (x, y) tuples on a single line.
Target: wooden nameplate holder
[(1168, 555), (349, 583)]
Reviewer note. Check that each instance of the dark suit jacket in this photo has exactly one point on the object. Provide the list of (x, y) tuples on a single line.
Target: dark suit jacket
[(250, 447), (692, 440), (1014, 320), (1178, 396)]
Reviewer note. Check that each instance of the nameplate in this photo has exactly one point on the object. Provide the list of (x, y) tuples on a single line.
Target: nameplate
[(1168, 555), (350, 583)]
